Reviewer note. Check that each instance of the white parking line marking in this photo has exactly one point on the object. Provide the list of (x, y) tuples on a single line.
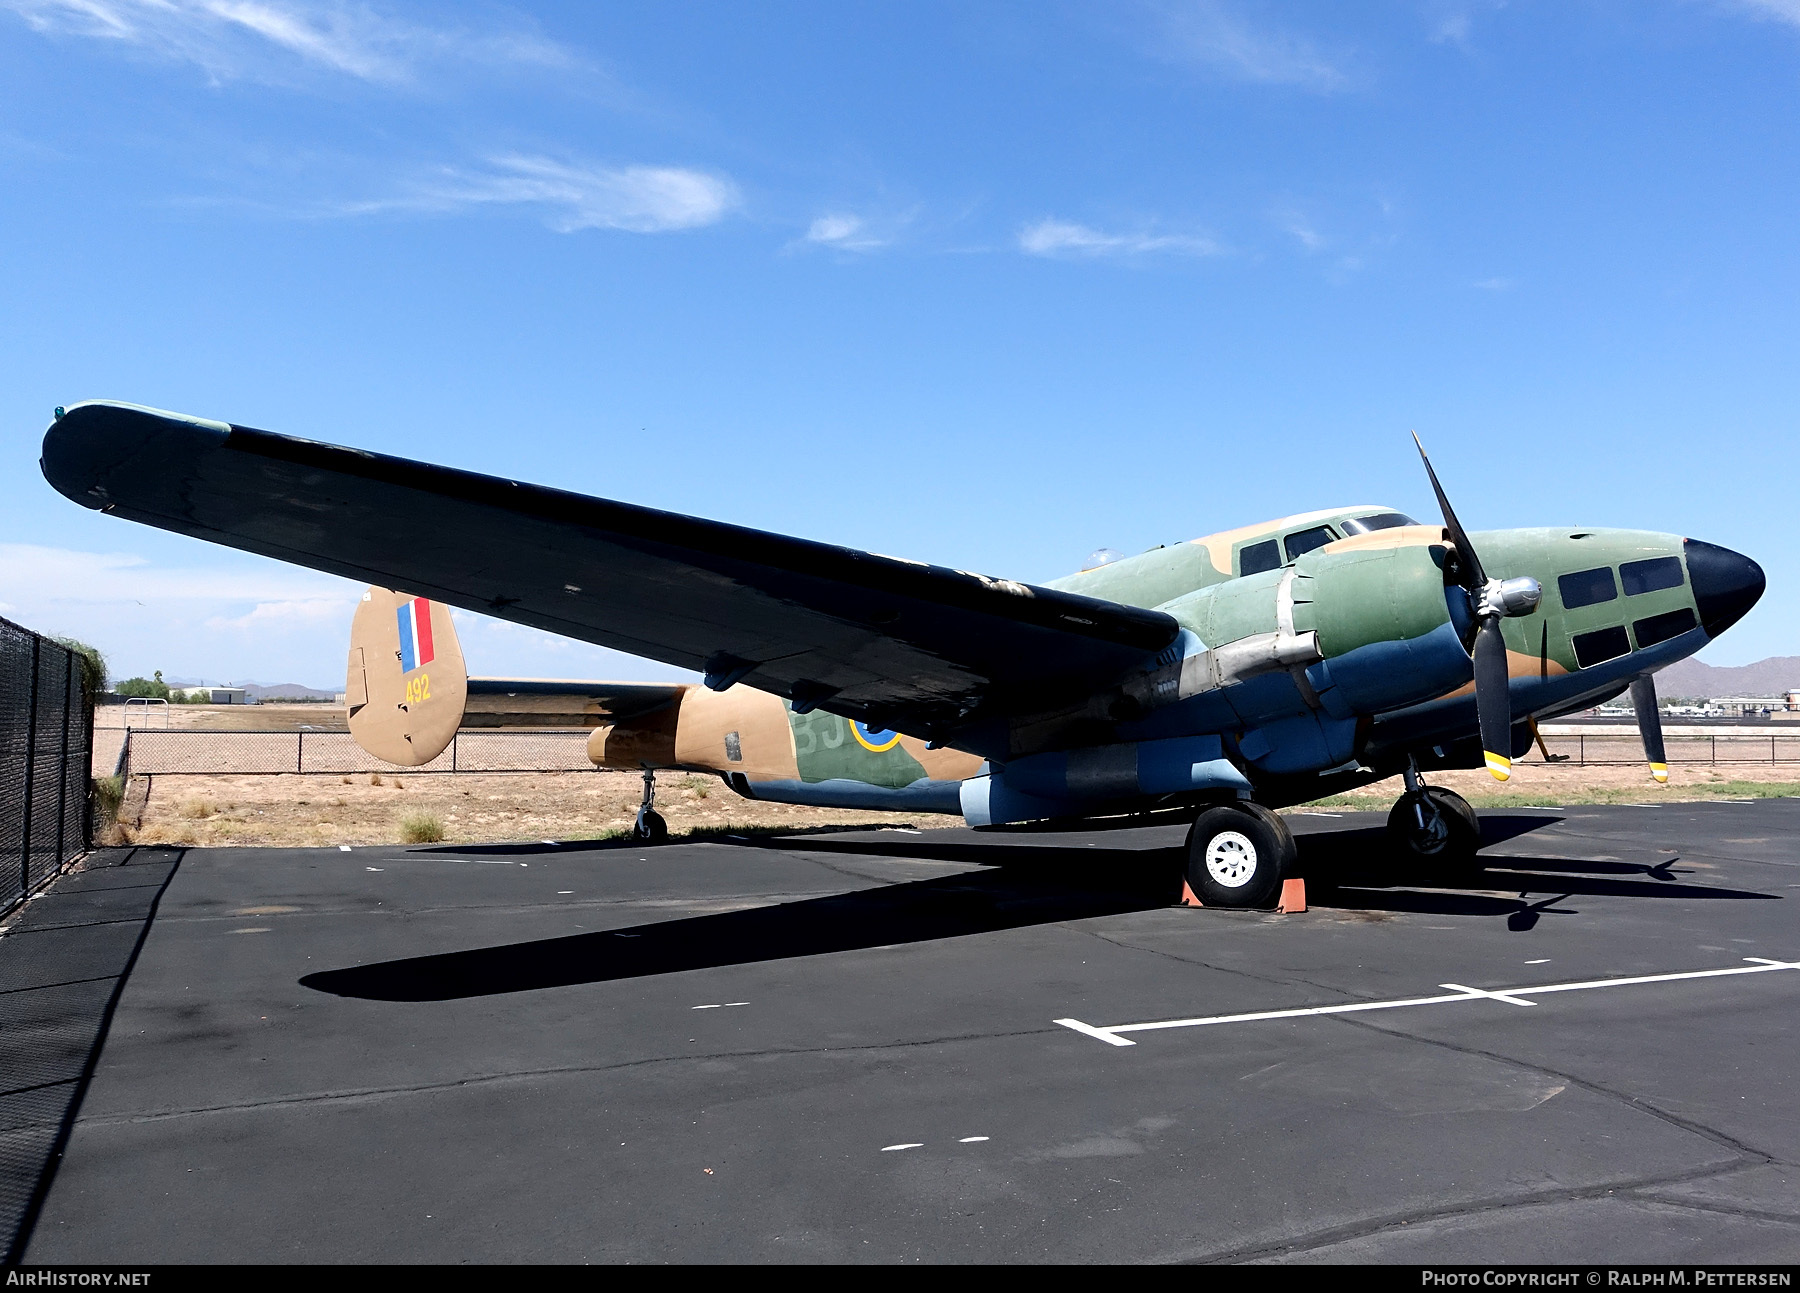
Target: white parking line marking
[(971, 1140), (916, 1144), (1104, 1034), (714, 1006), (1497, 996), (564, 892), (1542, 960), (343, 848), (1110, 1033)]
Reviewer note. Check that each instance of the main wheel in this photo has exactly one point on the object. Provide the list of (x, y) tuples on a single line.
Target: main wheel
[(651, 828), (1436, 827), (1237, 854)]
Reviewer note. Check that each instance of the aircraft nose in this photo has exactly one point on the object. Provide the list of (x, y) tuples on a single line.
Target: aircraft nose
[(1726, 584)]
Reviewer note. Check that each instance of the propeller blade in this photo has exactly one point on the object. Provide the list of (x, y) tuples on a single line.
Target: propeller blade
[(1649, 719), (1474, 577), (1493, 700)]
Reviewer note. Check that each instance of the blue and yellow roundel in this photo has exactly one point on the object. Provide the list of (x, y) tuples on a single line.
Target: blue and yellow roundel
[(874, 738)]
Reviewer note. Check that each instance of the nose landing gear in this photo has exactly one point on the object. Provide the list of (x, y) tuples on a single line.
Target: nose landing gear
[(1435, 826), (650, 827)]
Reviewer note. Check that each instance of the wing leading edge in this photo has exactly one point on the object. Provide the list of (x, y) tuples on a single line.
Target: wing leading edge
[(896, 643)]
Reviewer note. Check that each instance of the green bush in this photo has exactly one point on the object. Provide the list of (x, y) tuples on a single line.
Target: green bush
[(93, 666), (143, 689)]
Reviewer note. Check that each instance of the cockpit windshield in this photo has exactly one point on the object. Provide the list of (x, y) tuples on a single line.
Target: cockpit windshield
[(1379, 521)]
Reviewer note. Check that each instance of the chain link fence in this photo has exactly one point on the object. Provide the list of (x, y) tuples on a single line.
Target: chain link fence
[(157, 751), (46, 733), (214, 751), (1626, 746)]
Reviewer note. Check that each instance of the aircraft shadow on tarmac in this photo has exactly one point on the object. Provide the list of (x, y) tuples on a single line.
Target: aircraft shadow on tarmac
[(1346, 869)]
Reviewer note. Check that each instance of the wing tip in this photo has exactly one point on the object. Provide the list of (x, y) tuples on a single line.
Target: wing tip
[(89, 440)]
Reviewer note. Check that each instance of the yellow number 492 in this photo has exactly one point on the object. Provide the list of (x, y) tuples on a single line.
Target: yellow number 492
[(418, 689)]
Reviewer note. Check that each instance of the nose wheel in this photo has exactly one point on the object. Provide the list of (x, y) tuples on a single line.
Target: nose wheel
[(650, 828)]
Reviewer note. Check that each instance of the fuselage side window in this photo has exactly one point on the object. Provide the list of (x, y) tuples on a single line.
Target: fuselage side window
[(1253, 558), (1660, 628), (1651, 575), (1306, 540), (1588, 587), (1601, 645)]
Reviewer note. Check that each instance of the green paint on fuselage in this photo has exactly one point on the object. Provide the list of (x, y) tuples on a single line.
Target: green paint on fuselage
[(826, 749)]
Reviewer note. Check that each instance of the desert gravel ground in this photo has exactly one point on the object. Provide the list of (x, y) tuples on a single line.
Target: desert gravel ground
[(473, 807)]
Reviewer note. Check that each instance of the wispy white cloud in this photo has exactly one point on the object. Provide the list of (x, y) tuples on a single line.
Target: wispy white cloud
[(1217, 36), (573, 196), (272, 39), (1053, 237), (1787, 11), (1300, 229), (1496, 284), (843, 232), (40, 575)]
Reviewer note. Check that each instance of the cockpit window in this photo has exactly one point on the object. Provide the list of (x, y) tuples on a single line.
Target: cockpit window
[(1648, 576), (1306, 540), (1253, 558), (1588, 587), (1380, 521)]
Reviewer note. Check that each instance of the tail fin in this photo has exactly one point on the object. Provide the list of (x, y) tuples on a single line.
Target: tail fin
[(406, 685)]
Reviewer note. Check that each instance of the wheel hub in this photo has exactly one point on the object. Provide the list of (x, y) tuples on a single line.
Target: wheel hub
[(1231, 859)]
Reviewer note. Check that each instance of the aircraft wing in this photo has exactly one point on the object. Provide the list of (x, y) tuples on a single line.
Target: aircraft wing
[(897, 643)]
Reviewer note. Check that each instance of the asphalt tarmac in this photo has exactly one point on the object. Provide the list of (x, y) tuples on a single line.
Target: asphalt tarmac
[(845, 1047)]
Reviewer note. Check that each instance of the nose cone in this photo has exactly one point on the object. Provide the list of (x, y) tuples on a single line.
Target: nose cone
[(1726, 584)]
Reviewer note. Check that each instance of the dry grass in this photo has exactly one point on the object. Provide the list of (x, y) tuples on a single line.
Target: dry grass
[(421, 828), (477, 807), (471, 807), (1556, 784)]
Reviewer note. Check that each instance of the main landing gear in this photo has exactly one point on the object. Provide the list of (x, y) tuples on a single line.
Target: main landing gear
[(650, 827), (1237, 855), (1434, 826)]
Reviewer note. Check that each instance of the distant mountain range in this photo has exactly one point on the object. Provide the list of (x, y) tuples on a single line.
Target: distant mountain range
[(256, 691), (1770, 677)]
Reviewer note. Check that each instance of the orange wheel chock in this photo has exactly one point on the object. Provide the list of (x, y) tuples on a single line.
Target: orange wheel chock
[(1293, 897)]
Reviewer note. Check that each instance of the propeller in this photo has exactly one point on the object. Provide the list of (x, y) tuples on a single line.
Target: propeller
[(1490, 601), (1649, 719)]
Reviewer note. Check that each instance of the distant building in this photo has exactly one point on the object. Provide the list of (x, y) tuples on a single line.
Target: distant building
[(227, 695), (1751, 706)]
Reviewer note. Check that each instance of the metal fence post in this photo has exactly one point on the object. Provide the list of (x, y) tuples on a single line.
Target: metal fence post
[(62, 764), (299, 750), (30, 770), (1583, 755), (453, 741)]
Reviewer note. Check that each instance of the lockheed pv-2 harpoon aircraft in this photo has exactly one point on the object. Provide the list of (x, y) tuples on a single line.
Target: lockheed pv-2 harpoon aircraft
[(1232, 675)]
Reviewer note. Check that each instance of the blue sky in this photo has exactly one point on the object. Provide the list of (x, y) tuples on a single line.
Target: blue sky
[(990, 285)]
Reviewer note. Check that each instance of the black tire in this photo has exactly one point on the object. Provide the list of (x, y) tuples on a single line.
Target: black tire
[(1450, 837), (1237, 855), (651, 828)]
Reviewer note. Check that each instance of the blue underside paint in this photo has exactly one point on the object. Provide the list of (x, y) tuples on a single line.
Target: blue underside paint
[(1387, 675), (1454, 717), (922, 796), (1306, 743)]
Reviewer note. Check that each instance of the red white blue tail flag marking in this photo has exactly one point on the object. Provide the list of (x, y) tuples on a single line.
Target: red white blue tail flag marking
[(415, 634)]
